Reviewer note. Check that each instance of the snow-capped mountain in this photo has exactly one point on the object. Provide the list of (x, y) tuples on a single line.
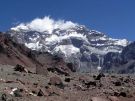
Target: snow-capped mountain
[(74, 42)]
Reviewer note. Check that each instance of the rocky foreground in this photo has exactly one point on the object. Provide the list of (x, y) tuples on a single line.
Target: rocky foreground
[(21, 84)]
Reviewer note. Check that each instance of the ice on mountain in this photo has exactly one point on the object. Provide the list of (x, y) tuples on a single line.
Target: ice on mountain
[(33, 46), (122, 42), (68, 50)]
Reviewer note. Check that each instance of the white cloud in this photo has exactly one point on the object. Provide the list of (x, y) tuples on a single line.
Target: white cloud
[(45, 24)]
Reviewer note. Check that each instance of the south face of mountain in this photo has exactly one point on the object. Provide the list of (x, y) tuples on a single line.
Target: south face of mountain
[(75, 43)]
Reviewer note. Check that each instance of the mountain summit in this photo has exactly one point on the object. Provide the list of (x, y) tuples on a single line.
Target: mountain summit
[(75, 43)]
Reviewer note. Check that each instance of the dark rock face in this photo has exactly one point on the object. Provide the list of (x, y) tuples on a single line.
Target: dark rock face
[(77, 42), (128, 52), (111, 60), (121, 62)]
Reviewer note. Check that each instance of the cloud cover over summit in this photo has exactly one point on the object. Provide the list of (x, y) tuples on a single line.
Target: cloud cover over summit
[(45, 24)]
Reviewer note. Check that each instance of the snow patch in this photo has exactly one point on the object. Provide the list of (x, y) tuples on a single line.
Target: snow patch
[(68, 50), (33, 46), (53, 39), (122, 42)]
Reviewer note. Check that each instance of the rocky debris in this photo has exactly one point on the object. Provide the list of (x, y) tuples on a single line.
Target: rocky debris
[(55, 87), (90, 82), (56, 81)]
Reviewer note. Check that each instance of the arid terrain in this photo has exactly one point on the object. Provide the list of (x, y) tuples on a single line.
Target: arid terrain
[(21, 84), (28, 74)]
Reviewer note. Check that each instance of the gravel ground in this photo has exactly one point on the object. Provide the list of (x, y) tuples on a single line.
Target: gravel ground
[(22, 86)]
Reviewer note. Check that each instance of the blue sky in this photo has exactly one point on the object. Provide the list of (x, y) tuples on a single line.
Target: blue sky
[(114, 17)]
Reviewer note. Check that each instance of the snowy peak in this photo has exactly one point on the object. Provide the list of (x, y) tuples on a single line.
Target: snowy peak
[(46, 34), (71, 41)]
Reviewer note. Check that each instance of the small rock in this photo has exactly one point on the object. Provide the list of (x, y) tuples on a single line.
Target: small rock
[(4, 97), (99, 76), (123, 94), (50, 91), (116, 93), (67, 79), (40, 93), (117, 83), (98, 99), (79, 87), (90, 83), (20, 68), (16, 92), (55, 80), (83, 79)]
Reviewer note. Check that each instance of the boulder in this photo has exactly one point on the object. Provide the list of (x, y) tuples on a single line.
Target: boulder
[(99, 76), (56, 81), (67, 79), (40, 93), (20, 68)]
